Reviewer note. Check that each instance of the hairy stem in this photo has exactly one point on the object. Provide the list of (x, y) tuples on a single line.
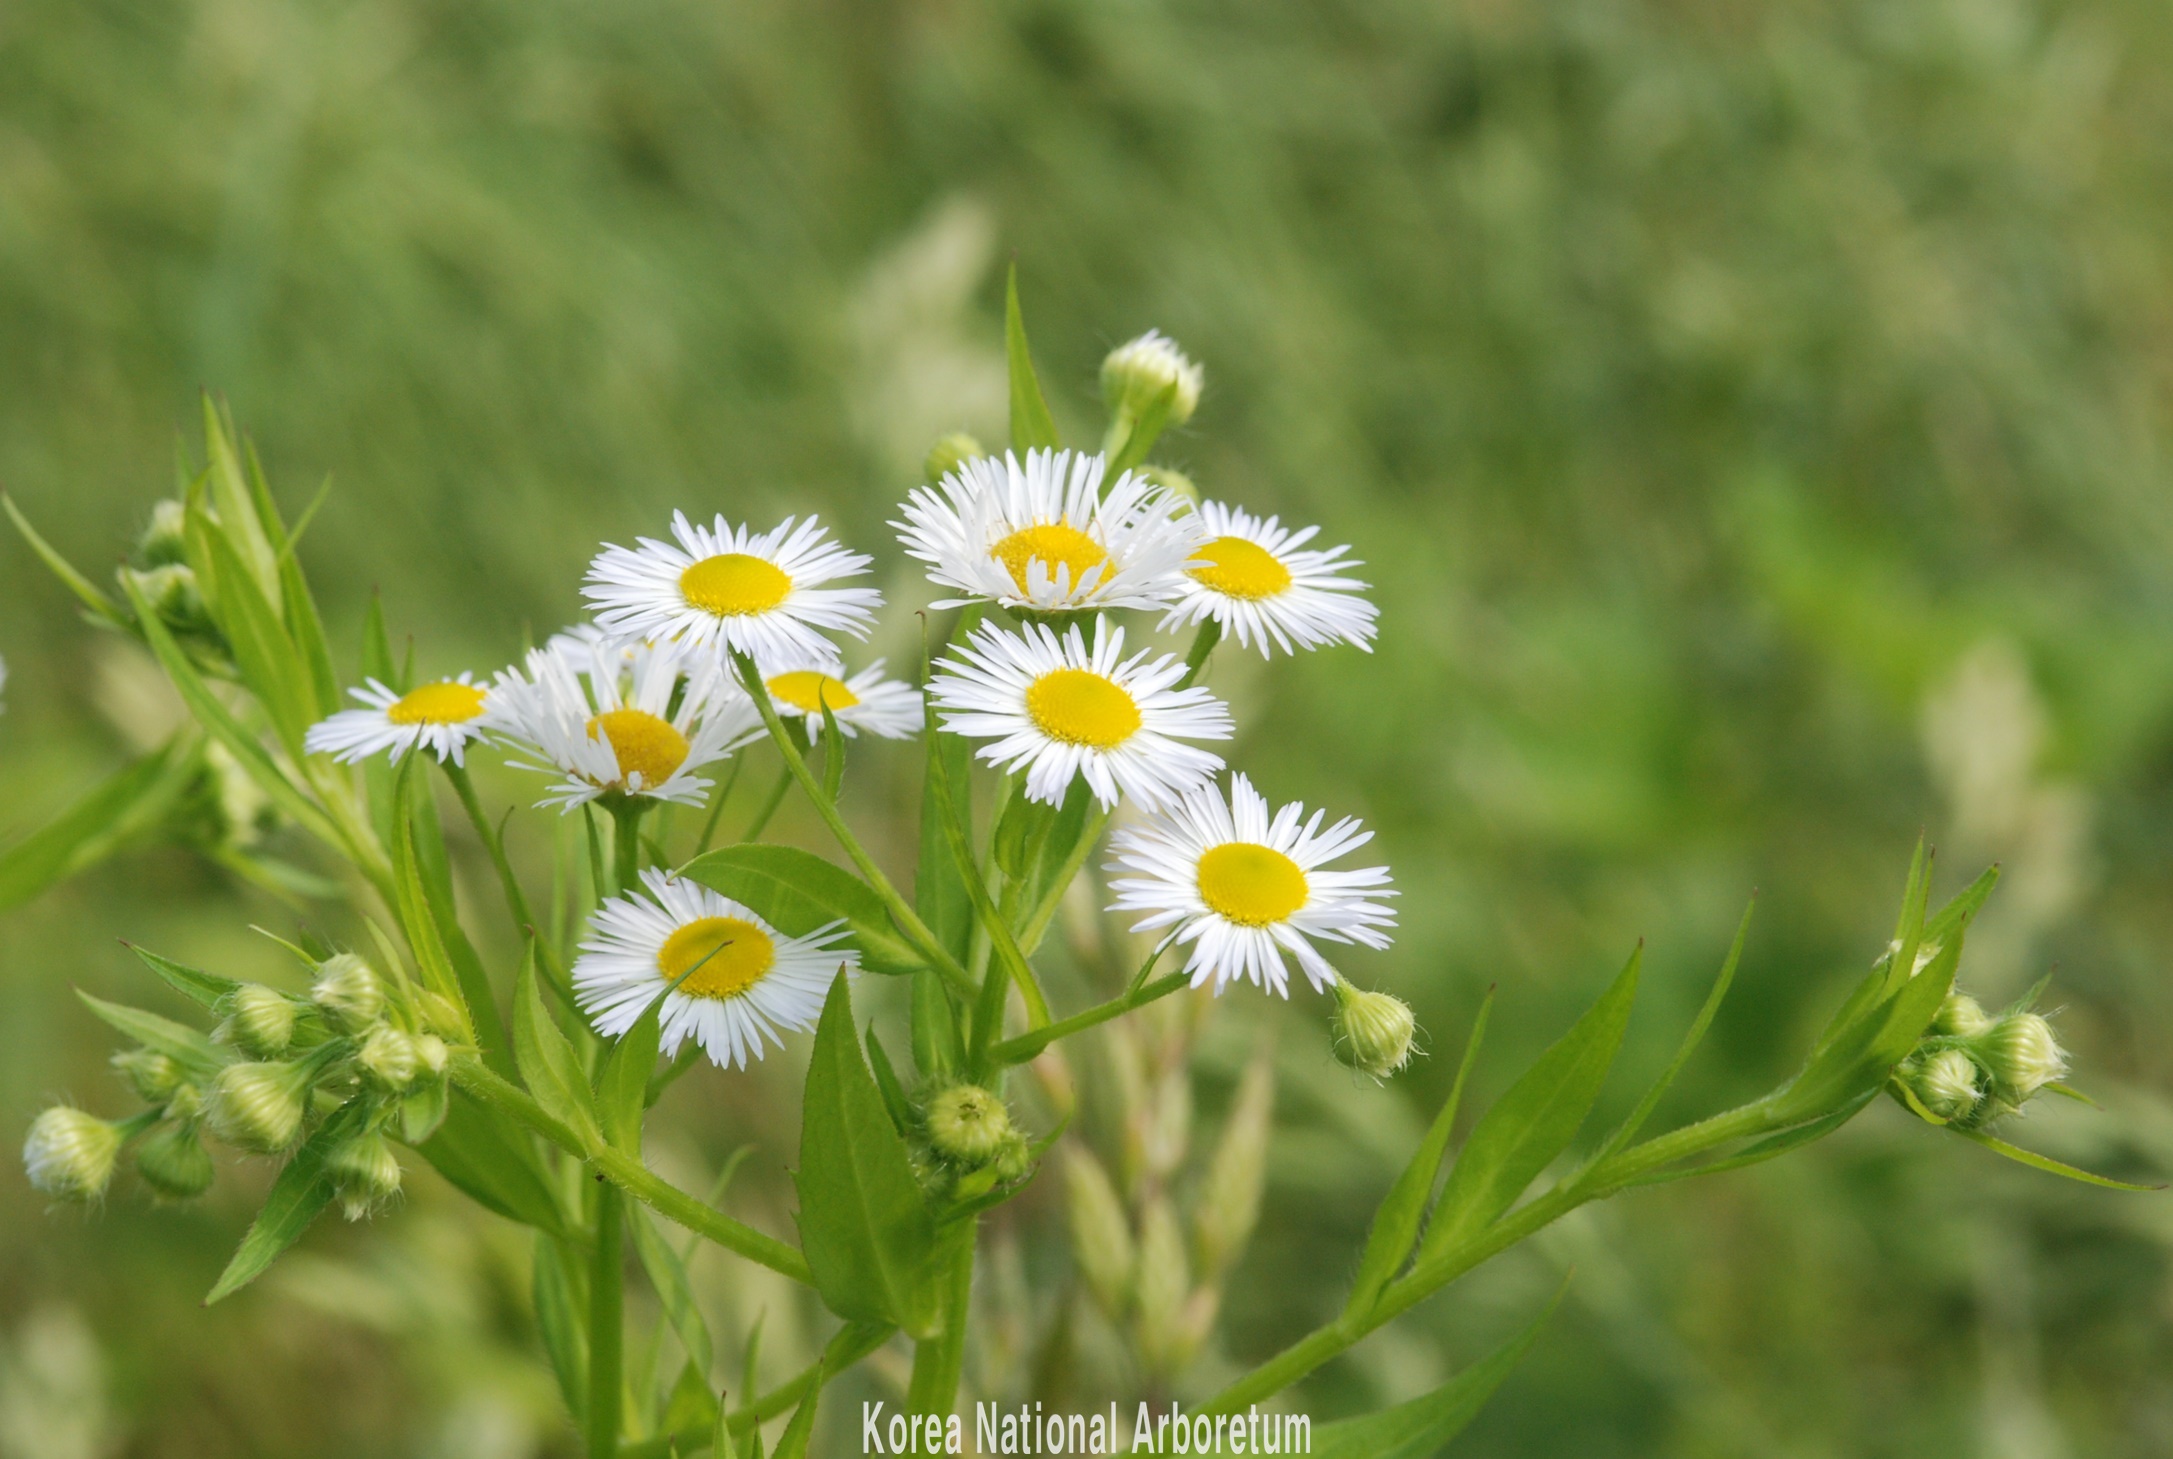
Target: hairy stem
[(938, 1361)]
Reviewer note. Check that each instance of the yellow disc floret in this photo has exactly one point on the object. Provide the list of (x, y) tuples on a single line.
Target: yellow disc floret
[(1079, 707), (734, 584), (643, 744), (808, 690), (1250, 884), (1239, 568), (728, 955), (446, 703), (1056, 545)]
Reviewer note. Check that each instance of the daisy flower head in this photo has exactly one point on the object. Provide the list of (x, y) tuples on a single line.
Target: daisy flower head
[(642, 730), (441, 717), (728, 978), (1058, 709), (732, 590), (1265, 587), (1045, 535), (866, 701), (1242, 888)]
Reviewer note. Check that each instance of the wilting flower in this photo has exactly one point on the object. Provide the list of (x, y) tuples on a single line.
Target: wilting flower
[(732, 590), (866, 701), (732, 978), (1058, 710), (1244, 888), (1046, 536), (1267, 589)]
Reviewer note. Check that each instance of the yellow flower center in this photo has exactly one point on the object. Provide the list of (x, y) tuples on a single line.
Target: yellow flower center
[(729, 955), (1082, 708), (808, 690), (734, 584), (1239, 568), (1059, 544), (446, 703), (644, 745), (1250, 884)]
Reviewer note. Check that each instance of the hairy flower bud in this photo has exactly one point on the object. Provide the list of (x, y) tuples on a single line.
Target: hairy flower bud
[(968, 1125), (1946, 1083), (1373, 1031), (1015, 1161), (365, 1173), (174, 595), (174, 1163), (259, 1107), (950, 453), (69, 1154), (153, 1075), (389, 1058), (259, 1020), (2022, 1055), (185, 1104), (1101, 1237), (1137, 372), (431, 1055), (1961, 1016), (349, 992), (162, 539)]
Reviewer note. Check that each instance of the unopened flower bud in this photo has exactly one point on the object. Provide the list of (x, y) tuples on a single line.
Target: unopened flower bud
[(442, 1014), (1136, 373), (967, 1125), (259, 1107), (365, 1173), (185, 1104), (1101, 1237), (174, 1163), (259, 1020), (174, 595), (1164, 1284), (349, 992), (1961, 1016), (153, 1075), (388, 1058), (950, 453), (2022, 1055), (69, 1154), (162, 539), (1015, 1161), (1946, 1083), (431, 1055), (1373, 1031)]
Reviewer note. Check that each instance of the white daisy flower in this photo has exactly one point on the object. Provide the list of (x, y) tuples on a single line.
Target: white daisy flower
[(739, 979), (1058, 710), (442, 718), (582, 640), (1244, 889), (611, 732), (1045, 536), (866, 701), (1268, 590), (728, 589)]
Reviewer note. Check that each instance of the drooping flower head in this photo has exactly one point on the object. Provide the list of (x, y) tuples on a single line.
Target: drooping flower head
[(643, 729), (441, 717), (732, 590), (1058, 709), (738, 979), (1243, 888), (866, 701), (1268, 590), (1046, 534)]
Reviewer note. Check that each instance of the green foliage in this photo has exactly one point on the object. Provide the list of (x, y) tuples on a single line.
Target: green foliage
[(798, 893)]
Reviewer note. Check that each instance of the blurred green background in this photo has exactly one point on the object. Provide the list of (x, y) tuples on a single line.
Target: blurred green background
[(1753, 420)]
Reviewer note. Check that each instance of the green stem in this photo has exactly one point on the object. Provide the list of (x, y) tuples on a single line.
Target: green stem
[(1203, 644), (1037, 926), (629, 1174), (607, 1327), (938, 1361), (1028, 1045), (716, 806), (524, 920), (909, 922), (626, 844)]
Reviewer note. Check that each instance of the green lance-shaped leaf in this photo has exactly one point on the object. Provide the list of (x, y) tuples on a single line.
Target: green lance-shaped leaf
[(1418, 1429), (1396, 1224), (1031, 423), (863, 1224), (494, 1161), (798, 892), (297, 1196), (177, 1041), (888, 1084), (562, 1302), (132, 803), (269, 663), (668, 1274), (434, 874), (228, 492), (793, 1442), (94, 600), (939, 889), (205, 989), (1535, 1121), (2047, 1164), (622, 1083), (548, 1064), (936, 1050)]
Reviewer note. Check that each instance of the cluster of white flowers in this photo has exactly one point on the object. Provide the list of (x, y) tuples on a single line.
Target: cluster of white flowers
[(633, 705)]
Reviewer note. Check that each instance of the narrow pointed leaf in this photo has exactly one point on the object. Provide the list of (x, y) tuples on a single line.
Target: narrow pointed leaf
[(2047, 1164), (1031, 424), (206, 989), (131, 804), (302, 1191), (622, 1084), (668, 1275), (177, 1041), (547, 1061), (91, 596), (495, 1162)]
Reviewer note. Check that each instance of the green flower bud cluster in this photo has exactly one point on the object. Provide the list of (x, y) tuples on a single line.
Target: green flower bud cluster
[(1974, 1067), (972, 1144)]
